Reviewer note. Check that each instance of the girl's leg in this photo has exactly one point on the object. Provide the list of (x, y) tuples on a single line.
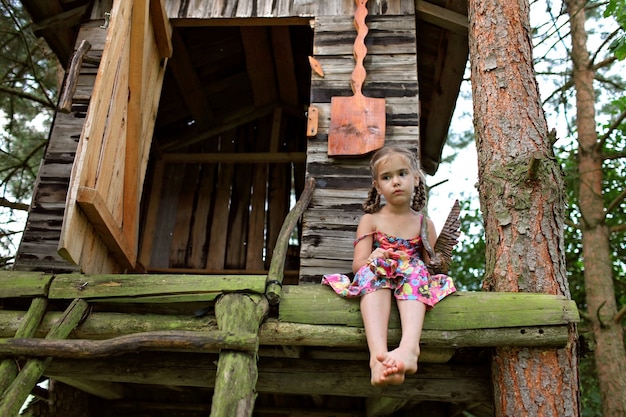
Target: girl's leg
[(412, 314), (375, 311)]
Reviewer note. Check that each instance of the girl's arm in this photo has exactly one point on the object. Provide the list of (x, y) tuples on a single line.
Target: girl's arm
[(432, 239), (363, 249)]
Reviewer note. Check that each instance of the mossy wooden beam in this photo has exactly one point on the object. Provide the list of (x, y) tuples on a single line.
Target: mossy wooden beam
[(317, 304), (434, 382), (24, 284), (152, 288), (14, 396), (173, 341), (27, 328), (105, 325), (235, 385)]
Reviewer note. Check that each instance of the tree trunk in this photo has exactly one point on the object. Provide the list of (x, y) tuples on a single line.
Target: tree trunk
[(522, 200), (610, 355)]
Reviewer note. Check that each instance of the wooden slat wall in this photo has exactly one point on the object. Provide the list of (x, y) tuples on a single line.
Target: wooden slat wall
[(38, 249), (329, 225), (216, 217)]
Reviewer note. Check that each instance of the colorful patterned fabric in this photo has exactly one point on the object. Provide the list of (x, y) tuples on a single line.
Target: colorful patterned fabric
[(404, 273)]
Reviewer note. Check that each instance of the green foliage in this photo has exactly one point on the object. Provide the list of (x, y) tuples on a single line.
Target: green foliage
[(28, 88), (617, 9), (468, 256)]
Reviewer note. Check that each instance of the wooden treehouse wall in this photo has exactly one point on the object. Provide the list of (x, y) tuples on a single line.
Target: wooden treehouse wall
[(343, 183), (215, 213)]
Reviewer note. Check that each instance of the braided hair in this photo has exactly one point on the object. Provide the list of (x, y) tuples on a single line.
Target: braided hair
[(372, 203)]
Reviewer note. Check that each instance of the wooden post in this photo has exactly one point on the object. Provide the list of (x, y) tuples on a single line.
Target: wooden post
[(237, 372), (8, 367), (15, 395)]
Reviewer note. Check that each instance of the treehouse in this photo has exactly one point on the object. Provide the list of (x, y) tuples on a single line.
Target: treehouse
[(188, 205)]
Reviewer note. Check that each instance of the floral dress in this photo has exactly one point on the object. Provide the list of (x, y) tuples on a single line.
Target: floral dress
[(404, 272)]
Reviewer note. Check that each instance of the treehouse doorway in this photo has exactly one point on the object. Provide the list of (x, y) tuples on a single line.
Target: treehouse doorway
[(229, 148)]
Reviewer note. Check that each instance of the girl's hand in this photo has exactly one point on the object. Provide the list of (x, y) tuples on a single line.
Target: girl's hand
[(379, 253)]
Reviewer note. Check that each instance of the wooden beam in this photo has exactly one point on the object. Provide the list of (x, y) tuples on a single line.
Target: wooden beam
[(245, 115), (171, 341), (101, 389), (317, 304), (434, 382), (103, 325), (235, 158), (24, 284), (285, 68), (162, 28), (148, 288), (383, 406), (106, 227), (440, 16), (256, 44), (190, 86)]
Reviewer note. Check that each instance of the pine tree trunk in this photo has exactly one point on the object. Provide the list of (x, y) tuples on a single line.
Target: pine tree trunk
[(522, 200), (610, 355)]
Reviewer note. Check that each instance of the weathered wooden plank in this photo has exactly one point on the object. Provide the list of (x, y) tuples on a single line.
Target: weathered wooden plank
[(24, 284), (138, 287), (435, 382), (463, 310), (199, 239), (256, 226), (179, 249), (168, 182)]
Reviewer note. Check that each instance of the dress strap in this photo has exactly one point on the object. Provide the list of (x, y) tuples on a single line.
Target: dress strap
[(360, 238)]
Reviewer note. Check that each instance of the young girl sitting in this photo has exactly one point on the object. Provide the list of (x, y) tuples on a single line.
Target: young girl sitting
[(389, 257)]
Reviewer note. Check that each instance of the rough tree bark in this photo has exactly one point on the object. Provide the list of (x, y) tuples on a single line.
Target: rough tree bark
[(522, 200), (609, 355)]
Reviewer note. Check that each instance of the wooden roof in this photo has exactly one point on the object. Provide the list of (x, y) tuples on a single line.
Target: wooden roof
[(199, 104)]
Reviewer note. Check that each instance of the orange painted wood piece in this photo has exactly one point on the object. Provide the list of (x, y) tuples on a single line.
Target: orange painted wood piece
[(357, 123)]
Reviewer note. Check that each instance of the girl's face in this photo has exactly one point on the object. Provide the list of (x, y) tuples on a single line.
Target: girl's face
[(395, 179)]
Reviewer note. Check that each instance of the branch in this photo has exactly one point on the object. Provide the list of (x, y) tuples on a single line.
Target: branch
[(613, 156), (618, 228), (27, 96), (181, 340), (13, 205), (620, 315), (616, 201), (616, 123), (572, 224)]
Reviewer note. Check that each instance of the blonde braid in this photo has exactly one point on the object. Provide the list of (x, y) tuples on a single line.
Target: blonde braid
[(419, 197), (372, 204)]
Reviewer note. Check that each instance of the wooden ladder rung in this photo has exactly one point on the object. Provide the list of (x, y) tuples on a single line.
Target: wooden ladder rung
[(17, 392)]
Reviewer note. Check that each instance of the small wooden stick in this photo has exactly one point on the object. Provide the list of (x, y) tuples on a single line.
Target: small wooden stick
[(71, 80)]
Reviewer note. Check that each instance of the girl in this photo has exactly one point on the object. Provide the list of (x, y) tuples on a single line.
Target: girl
[(389, 257)]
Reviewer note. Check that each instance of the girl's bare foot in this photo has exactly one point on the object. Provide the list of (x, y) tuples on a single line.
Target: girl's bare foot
[(390, 368), (386, 370)]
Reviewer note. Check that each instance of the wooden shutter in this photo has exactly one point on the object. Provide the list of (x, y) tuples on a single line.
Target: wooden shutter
[(101, 221)]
